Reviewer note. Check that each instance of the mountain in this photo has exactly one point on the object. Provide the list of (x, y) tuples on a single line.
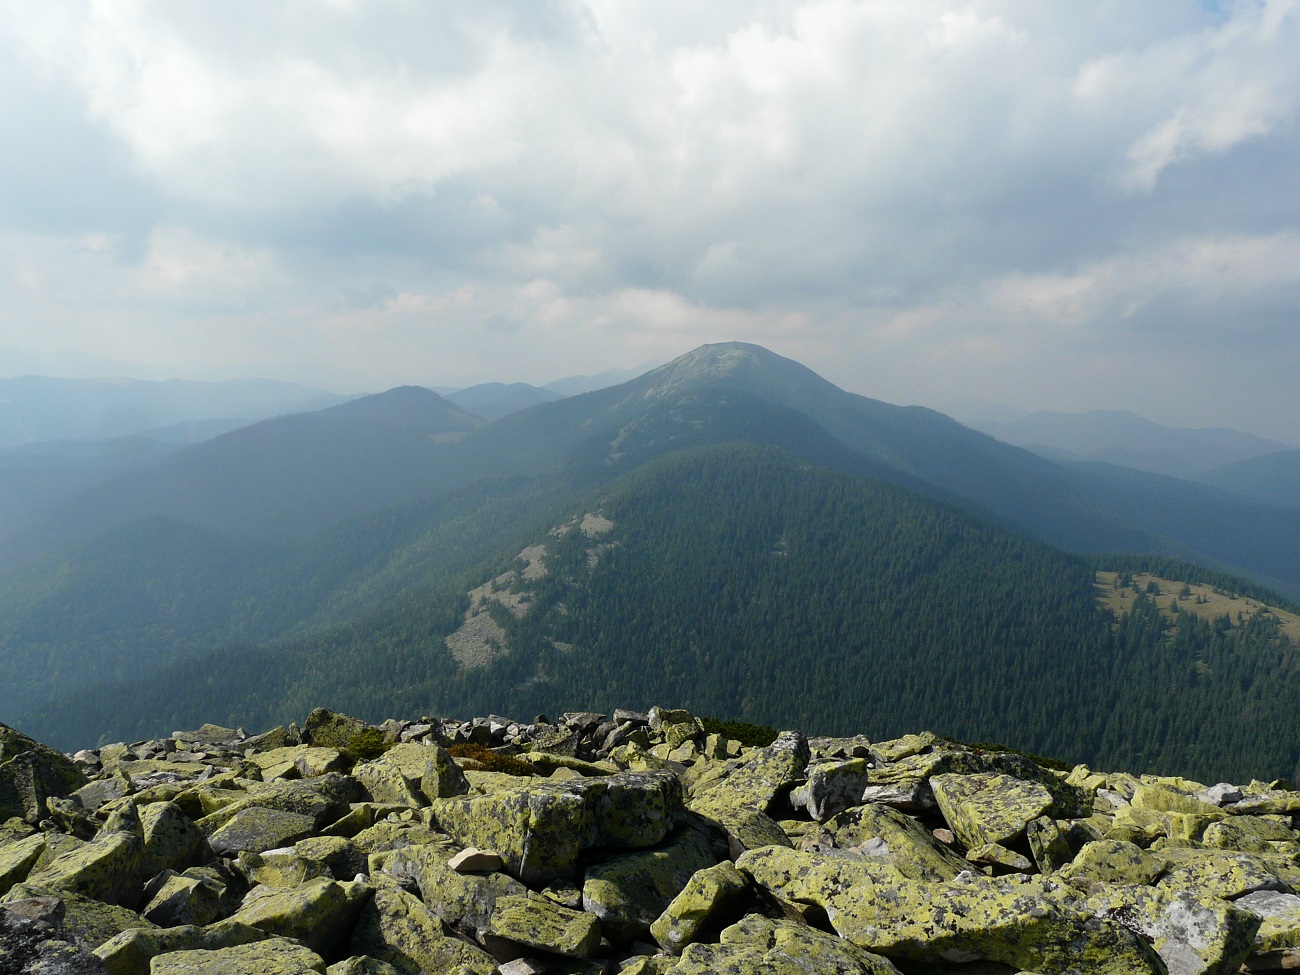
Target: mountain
[(492, 401), (575, 385), (281, 477), (1273, 478), (39, 408), (36, 475), (749, 583), (334, 553), (1122, 438)]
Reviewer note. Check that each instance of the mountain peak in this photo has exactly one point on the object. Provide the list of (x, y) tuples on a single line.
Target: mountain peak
[(406, 406), (730, 363)]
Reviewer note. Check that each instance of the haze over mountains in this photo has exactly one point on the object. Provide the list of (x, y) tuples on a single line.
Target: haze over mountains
[(1120, 437), (716, 531)]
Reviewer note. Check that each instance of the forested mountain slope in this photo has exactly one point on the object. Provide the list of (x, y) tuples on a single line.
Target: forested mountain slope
[(742, 581), (282, 477)]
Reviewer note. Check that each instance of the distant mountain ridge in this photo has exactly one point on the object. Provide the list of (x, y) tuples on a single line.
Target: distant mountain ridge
[(1124, 438), (39, 408)]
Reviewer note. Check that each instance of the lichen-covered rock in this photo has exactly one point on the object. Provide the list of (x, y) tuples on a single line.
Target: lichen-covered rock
[(330, 729), (540, 827), (831, 788), (171, 840), (1279, 916), (1250, 834), (281, 868), (30, 945), (18, 858), (1193, 932), (258, 828), (184, 900), (999, 857), (397, 928), (131, 951), (274, 956), (308, 760), (1224, 875), (757, 944), (533, 922), (630, 891), (105, 869), (987, 807), (1026, 922), (1048, 844), (82, 921), (340, 856), (412, 774), (884, 832), (320, 914), (463, 900), (324, 799), (362, 965), (757, 781), (707, 897), (901, 778), (1112, 862), (30, 773)]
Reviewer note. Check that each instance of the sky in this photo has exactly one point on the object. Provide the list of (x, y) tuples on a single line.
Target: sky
[(1043, 203)]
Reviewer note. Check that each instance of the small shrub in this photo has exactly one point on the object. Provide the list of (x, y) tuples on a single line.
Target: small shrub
[(488, 760), (368, 744), (1041, 761), (741, 731)]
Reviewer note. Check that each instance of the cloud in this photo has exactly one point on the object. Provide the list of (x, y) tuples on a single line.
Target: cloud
[(925, 185)]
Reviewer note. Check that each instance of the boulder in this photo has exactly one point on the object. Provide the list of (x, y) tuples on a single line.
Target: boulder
[(881, 831), (520, 924), (81, 921), (463, 900), (1279, 916), (106, 869), (131, 952), (258, 828), (412, 774), (181, 900), (1194, 933), (708, 897), (758, 781), (988, 807), (758, 944), (330, 729), (18, 858), (274, 956), (1028, 923), (308, 760), (171, 840), (30, 945), (1112, 862), (541, 827), (362, 965), (630, 891), (831, 788), (30, 773), (320, 914), (397, 928)]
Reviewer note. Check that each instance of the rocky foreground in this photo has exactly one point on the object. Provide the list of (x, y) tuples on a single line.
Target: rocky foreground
[(635, 844)]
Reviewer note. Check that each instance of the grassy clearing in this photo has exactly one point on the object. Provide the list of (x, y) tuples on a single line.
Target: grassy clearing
[(1207, 602)]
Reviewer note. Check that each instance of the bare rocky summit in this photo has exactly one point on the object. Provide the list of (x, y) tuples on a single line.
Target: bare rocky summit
[(632, 843)]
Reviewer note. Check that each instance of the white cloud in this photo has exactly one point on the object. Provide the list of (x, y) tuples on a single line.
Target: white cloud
[(569, 184)]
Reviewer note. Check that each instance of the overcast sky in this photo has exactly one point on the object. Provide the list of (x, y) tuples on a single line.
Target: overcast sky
[(1047, 203)]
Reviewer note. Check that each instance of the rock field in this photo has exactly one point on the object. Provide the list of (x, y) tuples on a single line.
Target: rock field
[(632, 843)]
